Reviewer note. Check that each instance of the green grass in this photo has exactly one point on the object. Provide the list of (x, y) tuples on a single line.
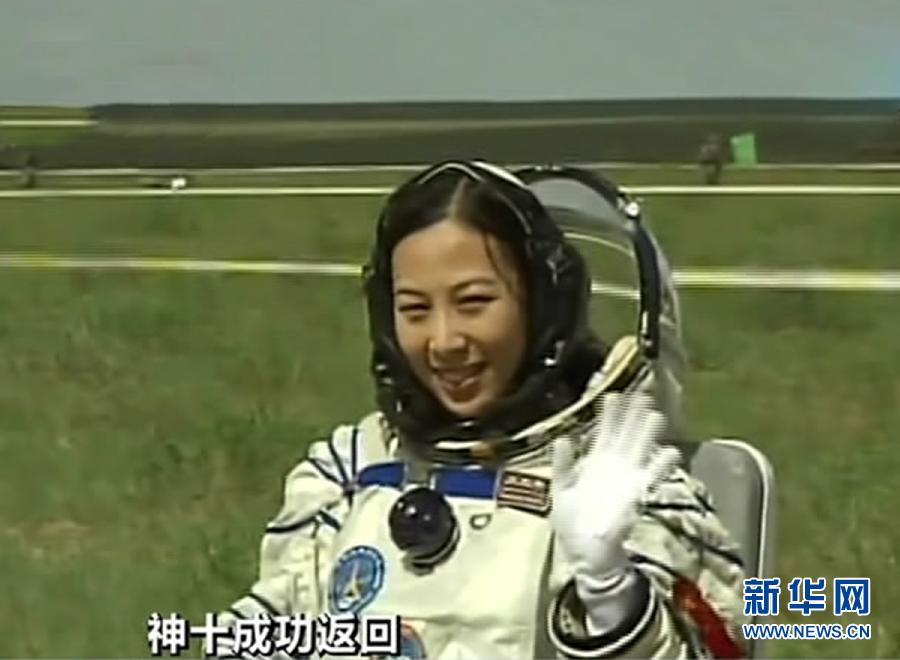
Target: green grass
[(776, 232), (267, 228), (34, 136), (317, 128), (147, 420), (147, 423), (661, 175), (37, 137), (368, 127), (42, 112)]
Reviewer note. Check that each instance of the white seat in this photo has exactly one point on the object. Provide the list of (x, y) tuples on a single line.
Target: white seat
[(741, 481)]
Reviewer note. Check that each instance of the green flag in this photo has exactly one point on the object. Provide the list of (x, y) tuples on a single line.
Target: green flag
[(743, 149)]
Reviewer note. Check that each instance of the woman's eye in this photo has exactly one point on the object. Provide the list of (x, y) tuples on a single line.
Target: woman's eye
[(412, 308), (475, 302)]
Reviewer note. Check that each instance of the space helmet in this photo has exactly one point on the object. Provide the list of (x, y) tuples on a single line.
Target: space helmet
[(561, 352)]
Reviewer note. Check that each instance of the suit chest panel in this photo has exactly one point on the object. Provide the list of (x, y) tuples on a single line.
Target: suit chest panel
[(494, 578)]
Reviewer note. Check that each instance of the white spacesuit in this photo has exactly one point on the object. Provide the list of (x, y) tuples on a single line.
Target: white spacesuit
[(509, 581), (499, 594)]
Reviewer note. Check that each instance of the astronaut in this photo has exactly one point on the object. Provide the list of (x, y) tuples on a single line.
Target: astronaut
[(512, 496)]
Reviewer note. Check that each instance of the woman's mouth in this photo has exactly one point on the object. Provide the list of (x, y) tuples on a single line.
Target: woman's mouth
[(458, 381)]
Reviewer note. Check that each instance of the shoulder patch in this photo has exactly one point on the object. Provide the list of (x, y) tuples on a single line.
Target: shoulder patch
[(523, 491), (357, 578)]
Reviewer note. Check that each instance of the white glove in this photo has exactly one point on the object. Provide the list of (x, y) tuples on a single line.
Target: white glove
[(596, 496)]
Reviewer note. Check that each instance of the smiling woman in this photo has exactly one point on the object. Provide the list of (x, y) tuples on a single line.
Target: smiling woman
[(460, 283), (511, 497)]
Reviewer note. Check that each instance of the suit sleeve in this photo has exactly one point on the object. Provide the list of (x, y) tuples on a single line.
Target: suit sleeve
[(295, 554), (687, 595)]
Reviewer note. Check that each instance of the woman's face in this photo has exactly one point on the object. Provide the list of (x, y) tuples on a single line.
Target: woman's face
[(459, 314)]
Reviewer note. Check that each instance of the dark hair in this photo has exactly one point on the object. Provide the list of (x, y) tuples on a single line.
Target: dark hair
[(475, 203)]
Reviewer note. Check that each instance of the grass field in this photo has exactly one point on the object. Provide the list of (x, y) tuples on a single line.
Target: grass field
[(147, 419), (183, 136), (661, 175)]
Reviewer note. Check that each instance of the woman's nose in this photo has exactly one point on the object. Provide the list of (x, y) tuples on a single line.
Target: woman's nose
[(446, 339)]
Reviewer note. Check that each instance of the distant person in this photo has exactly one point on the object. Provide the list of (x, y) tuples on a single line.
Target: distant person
[(7, 158), (712, 159), (29, 171)]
